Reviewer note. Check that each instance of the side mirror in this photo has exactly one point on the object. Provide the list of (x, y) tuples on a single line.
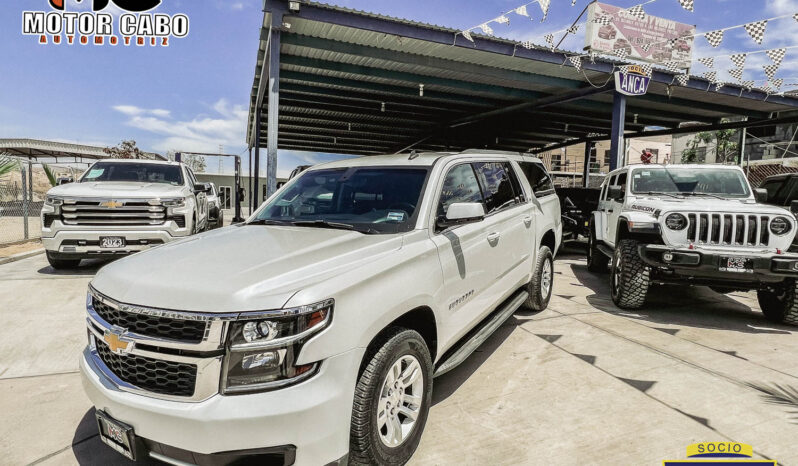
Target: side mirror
[(63, 181), (616, 193), (794, 207), (761, 195), (202, 188), (461, 213)]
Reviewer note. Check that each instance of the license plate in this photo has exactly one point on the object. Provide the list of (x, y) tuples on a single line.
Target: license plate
[(117, 435), (736, 264), (112, 242)]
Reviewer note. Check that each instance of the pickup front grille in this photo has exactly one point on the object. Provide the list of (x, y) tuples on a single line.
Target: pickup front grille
[(189, 331), (728, 229), (154, 375), (113, 213)]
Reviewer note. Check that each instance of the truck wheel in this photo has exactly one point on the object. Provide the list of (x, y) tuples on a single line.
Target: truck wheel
[(392, 399), (596, 260), (59, 264), (540, 287), (629, 278), (780, 305)]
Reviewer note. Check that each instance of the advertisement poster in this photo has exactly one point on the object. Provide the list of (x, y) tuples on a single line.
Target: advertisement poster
[(651, 39)]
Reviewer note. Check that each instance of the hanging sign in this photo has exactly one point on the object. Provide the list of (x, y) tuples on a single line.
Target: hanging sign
[(633, 82), (612, 29)]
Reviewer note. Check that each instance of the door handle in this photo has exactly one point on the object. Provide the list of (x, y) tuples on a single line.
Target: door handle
[(527, 220), (609, 211), (494, 237)]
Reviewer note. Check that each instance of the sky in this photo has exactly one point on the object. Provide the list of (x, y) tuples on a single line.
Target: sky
[(194, 95)]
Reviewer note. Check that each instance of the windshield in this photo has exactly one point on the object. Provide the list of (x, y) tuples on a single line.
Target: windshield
[(690, 181), (366, 199), (134, 172)]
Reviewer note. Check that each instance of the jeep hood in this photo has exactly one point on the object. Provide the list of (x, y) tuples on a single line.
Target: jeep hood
[(116, 190), (703, 204), (239, 268)]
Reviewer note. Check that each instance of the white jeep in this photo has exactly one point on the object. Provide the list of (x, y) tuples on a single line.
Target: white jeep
[(311, 333), (697, 225), (119, 207)]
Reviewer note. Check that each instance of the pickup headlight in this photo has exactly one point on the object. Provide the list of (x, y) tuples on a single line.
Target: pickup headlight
[(676, 222), (176, 202), (53, 201), (263, 347), (780, 226)]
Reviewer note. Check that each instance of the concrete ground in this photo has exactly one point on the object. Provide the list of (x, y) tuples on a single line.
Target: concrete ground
[(580, 383)]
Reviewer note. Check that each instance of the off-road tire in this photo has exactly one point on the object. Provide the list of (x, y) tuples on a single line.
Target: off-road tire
[(596, 260), (629, 277), (60, 263), (365, 445), (539, 297), (781, 305)]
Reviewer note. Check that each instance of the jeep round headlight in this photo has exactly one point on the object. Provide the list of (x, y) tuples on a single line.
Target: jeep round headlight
[(676, 222), (780, 226)]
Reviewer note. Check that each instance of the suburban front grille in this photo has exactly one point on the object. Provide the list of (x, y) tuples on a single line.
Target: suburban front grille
[(728, 229), (112, 213), (189, 331), (154, 375)]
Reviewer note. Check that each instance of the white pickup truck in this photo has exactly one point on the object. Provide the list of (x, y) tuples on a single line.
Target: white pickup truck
[(316, 339), (695, 225), (119, 207)]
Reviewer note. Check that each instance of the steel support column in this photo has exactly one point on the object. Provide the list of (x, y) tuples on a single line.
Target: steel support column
[(589, 146), (616, 133), (249, 189), (273, 95), (255, 179)]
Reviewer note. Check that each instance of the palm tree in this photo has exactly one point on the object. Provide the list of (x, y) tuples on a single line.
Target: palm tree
[(7, 164)]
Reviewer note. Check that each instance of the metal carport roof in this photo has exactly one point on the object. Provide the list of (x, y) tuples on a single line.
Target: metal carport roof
[(35, 149)]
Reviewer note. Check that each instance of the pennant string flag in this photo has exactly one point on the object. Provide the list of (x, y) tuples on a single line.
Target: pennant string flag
[(646, 47), (467, 35), (709, 62), (777, 83), (527, 44), (736, 74), (714, 38), (544, 6), (777, 55), (682, 79), (503, 19), (719, 85), (637, 11), (687, 4), (621, 53), (549, 38), (712, 76), (739, 59), (577, 62), (486, 28), (756, 30), (672, 66), (748, 85), (770, 70), (521, 10), (573, 29)]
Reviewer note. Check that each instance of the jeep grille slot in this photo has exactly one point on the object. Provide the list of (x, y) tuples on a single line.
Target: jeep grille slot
[(732, 229), (110, 212)]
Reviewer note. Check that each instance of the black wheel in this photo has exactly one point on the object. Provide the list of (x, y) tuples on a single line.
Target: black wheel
[(780, 304), (540, 287), (629, 278), (392, 399), (59, 263), (596, 260)]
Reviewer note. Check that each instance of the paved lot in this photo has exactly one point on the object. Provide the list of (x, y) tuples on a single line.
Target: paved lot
[(581, 383)]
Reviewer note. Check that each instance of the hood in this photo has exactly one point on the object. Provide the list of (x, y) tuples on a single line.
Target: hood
[(116, 190), (239, 268), (703, 204)]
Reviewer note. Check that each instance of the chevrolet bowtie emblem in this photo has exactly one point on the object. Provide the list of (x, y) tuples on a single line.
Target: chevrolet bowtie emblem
[(117, 343), (112, 204)]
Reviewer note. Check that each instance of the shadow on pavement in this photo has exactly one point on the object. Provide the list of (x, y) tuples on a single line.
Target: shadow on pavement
[(86, 268), (689, 306), (90, 450)]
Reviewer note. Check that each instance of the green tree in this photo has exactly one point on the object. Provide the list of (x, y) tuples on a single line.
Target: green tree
[(7, 164), (726, 146)]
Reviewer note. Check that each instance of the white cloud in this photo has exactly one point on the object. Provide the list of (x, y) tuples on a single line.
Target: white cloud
[(237, 6), (203, 133)]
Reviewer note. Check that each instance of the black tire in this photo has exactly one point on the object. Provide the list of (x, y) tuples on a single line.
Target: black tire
[(60, 263), (596, 260), (365, 443), (629, 278), (539, 294), (781, 304)]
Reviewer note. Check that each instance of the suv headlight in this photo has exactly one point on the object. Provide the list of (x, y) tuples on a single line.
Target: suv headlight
[(780, 226), (676, 222), (263, 347)]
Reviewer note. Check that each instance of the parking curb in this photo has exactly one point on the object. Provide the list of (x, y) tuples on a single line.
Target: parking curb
[(20, 256)]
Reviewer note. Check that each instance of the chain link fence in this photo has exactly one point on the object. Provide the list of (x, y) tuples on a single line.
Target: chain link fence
[(22, 194)]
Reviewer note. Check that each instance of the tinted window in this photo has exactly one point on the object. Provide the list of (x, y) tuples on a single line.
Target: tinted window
[(538, 178), (494, 178), (460, 185), (134, 172), (688, 181)]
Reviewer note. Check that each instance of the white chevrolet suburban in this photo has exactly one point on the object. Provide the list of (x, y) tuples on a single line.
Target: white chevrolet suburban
[(696, 225), (311, 333), (119, 207)]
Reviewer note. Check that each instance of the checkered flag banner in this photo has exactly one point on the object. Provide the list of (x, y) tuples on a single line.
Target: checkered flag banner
[(709, 62), (777, 83), (777, 55), (573, 2), (467, 35), (637, 12), (736, 73), (739, 59), (748, 85), (544, 6), (672, 66), (719, 86), (521, 10), (714, 38), (486, 28), (621, 53), (712, 76), (770, 70), (573, 29), (576, 61), (603, 20), (527, 44), (682, 79), (646, 69), (767, 89), (756, 30), (593, 56), (549, 38), (686, 4), (646, 47), (503, 20)]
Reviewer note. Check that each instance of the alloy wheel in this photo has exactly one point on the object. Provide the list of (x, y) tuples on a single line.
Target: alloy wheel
[(400, 401)]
